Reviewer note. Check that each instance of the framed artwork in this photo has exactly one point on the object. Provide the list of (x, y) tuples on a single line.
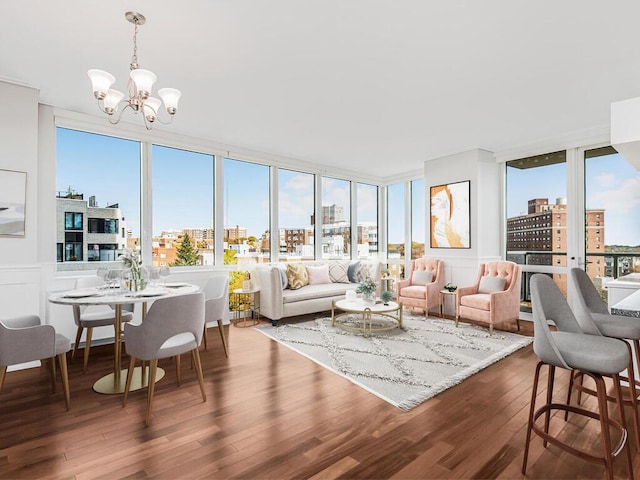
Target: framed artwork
[(13, 189), (450, 215)]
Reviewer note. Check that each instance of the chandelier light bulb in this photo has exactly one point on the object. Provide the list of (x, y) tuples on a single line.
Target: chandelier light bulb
[(170, 97), (101, 82), (139, 89)]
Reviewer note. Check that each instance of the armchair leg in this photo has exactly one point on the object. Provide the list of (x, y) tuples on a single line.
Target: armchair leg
[(87, 347), (223, 338), (177, 361), (53, 374), (3, 373), (195, 355), (75, 345), (204, 336), (127, 386), (62, 360), (153, 367), (491, 330)]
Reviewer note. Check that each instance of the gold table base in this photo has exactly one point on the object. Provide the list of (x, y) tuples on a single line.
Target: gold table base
[(107, 386)]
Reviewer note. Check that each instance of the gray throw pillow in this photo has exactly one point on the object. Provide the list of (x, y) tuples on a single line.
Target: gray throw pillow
[(351, 271), (421, 277), (491, 284)]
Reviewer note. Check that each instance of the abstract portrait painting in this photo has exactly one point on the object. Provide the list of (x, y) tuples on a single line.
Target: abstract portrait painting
[(451, 215)]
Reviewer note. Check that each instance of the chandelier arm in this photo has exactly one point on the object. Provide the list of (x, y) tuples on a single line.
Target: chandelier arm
[(119, 117)]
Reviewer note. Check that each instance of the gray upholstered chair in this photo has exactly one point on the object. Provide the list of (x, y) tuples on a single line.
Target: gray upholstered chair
[(89, 318), (172, 326), (571, 349), (25, 339), (216, 294), (594, 318)]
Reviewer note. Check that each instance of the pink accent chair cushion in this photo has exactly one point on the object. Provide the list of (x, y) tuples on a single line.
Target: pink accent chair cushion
[(425, 296), (497, 305)]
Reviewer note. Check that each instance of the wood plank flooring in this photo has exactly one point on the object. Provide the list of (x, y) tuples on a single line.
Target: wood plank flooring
[(273, 414)]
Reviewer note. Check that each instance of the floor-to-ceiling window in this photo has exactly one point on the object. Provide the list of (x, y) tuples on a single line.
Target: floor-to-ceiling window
[(367, 218), (182, 185), (612, 217), (296, 215), (336, 218), (536, 206), (246, 212), (97, 198), (395, 221)]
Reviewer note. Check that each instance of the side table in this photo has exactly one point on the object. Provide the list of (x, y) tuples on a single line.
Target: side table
[(246, 301), (443, 297)]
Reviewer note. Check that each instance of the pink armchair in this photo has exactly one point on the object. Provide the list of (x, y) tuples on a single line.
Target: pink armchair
[(418, 290), (494, 297)]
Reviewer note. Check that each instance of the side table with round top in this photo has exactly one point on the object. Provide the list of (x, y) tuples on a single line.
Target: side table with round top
[(444, 294), (246, 301)]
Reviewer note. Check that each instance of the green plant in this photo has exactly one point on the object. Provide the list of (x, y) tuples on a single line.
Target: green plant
[(386, 297), (450, 287), (368, 286)]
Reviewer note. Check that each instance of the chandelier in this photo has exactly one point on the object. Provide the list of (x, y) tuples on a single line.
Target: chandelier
[(113, 102)]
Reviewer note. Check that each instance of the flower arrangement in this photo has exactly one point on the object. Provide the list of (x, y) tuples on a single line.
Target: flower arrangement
[(450, 287), (132, 260), (367, 286)]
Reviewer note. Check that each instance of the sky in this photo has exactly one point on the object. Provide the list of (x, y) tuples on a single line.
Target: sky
[(183, 189)]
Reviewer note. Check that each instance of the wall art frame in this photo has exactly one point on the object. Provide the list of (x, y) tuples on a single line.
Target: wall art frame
[(450, 215), (13, 203)]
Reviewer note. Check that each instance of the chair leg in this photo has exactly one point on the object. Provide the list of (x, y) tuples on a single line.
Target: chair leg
[(623, 420), (204, 336), (153, 367), (64, 374), (195, 355), (53, 374), (566, 413), (491, 329), (75, 345), (177, 361), (532, 408), (633, 394), (3, 373), (127, 387), (604, 424), (87, 347), (223, 338), (518, 323), (547, 417)]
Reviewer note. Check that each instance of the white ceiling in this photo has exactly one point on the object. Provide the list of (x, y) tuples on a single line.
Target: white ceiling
[(364, 85)]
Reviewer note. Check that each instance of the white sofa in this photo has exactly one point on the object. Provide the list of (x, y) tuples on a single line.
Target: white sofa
[(277, 302)]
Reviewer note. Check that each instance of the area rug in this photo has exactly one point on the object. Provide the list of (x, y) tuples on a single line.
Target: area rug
[(405, 366)]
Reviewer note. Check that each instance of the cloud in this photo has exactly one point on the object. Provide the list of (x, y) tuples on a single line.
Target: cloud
[(606, 179), (625, 197)]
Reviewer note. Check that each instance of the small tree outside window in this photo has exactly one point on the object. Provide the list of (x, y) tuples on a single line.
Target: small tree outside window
[(186, 253)]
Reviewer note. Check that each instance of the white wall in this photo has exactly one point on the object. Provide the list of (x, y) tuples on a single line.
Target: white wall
[(480, 168), (19, 267)]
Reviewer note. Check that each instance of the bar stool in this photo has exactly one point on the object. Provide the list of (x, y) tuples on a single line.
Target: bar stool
[(571, 349), (594, 318)]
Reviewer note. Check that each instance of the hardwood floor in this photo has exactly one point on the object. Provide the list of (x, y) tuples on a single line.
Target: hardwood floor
[(273, 414)]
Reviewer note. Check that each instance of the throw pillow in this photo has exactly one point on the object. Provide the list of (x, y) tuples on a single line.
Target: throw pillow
[(491, 284), (283, 274), (421, 277), (318, 274), (339, 272), (362, 271), (297, 276), (351, 272)]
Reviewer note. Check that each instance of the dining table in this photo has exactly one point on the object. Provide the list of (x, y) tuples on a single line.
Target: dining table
[(114, 383)]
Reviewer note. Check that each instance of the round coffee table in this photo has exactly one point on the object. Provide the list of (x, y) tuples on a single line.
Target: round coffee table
[(392, 313)]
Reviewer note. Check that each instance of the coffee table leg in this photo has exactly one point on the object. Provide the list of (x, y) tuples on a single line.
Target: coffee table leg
[(333, 313)]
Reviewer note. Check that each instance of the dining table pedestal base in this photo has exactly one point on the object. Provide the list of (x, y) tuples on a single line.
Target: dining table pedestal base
[(106, 385)]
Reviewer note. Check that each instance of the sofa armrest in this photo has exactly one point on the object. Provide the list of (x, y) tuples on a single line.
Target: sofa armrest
[(270, 284)]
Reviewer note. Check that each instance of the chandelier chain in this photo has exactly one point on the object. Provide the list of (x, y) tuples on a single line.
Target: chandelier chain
[(134, 58)]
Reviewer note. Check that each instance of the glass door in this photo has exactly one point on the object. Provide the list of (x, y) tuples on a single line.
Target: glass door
[(611, 218), (537, 212)]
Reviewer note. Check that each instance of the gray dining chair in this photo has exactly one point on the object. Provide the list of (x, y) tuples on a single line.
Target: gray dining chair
[(172, 326), (568, 347), (216, 294), (25, 339), (594, 318), (90, 318)]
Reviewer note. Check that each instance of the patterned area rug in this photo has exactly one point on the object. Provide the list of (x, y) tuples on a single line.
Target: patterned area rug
[(403, 367)]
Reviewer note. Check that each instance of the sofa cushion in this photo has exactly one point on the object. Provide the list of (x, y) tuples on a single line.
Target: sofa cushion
[(339, 272), (491, 284), (297, 275), (479, 301), (362, 271), (421, 277), (318, 274), (283, 275), (311, 292)]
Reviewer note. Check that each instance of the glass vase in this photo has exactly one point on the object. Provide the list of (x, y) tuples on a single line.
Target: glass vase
[(369, 298)]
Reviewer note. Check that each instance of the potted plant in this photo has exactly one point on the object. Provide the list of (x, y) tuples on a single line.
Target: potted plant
[(450, 287), (368, 290), (386, 297)]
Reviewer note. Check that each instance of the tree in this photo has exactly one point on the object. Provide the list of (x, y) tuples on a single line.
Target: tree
[(186, 254), (230, 257)]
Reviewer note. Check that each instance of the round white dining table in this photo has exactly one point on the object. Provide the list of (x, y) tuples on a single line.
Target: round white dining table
[(114, 383)]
